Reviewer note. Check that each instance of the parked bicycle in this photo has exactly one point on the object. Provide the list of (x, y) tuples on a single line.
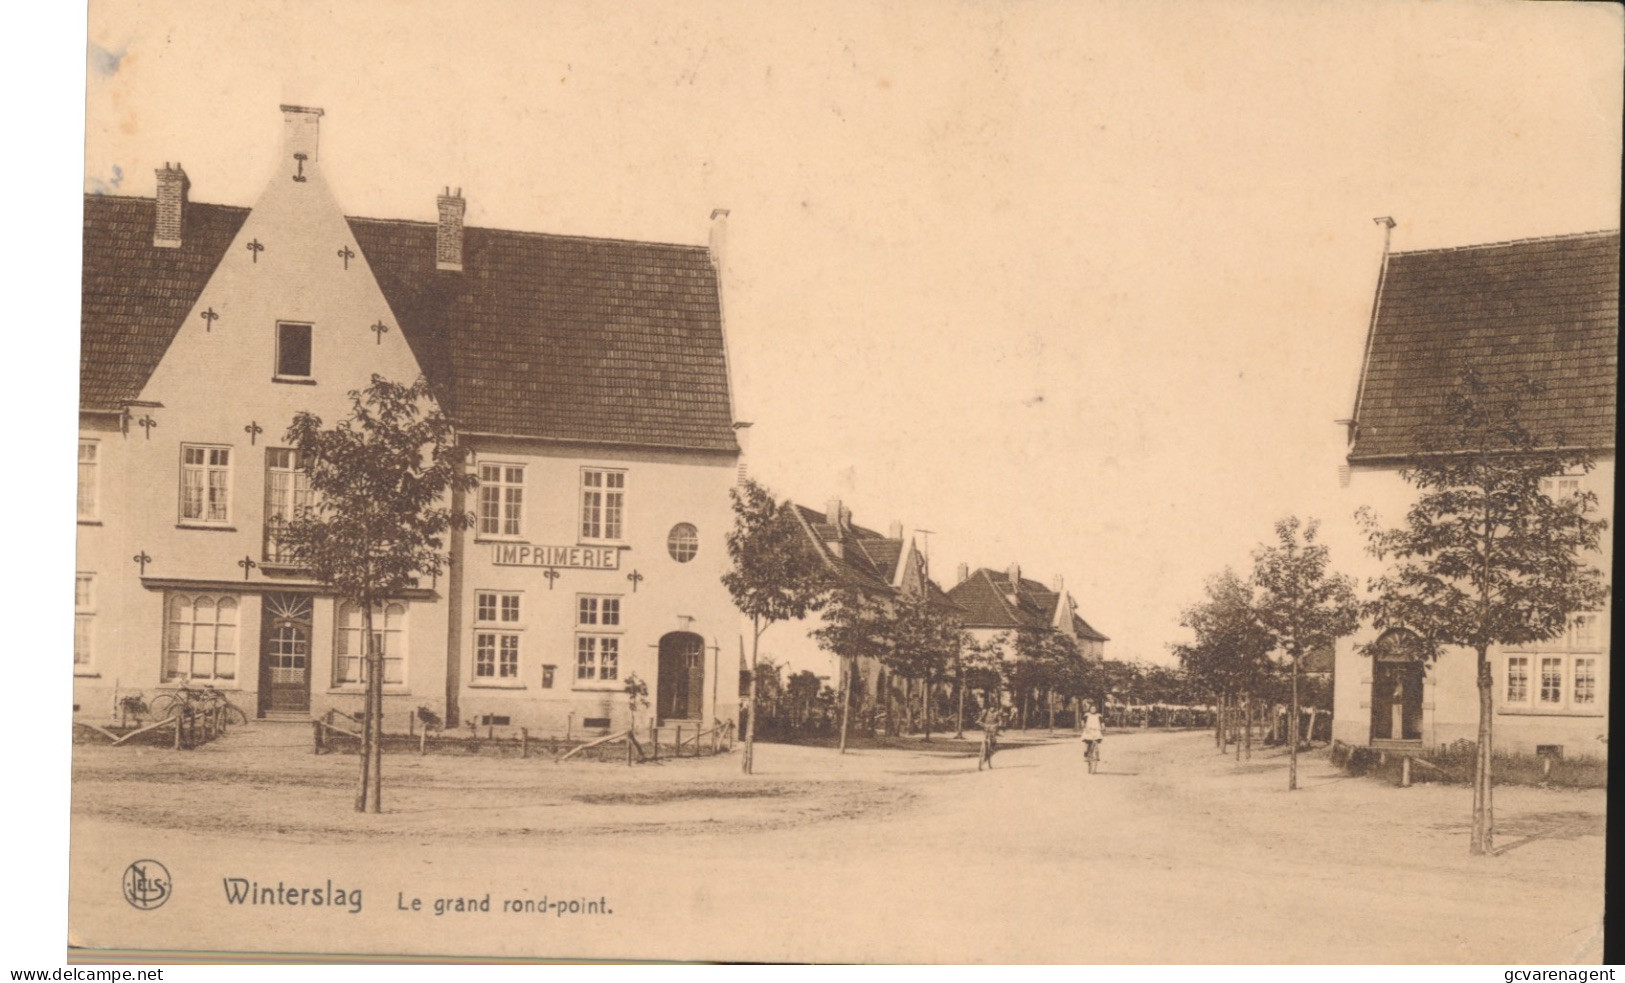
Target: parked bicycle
[(187, 699)]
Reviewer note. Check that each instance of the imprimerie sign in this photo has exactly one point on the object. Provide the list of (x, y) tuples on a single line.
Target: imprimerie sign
[(576, 557)]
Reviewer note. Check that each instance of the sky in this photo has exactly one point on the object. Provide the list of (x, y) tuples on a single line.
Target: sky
[(1077, 285)]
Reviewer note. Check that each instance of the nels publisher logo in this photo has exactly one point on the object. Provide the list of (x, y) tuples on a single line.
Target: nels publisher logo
[(146, 884)]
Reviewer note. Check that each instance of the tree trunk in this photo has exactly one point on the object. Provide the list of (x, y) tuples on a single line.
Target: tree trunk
[(1292, 731), (1483, 841), (959, 684), (1050, 702), (1247, 732), (747, 761), (925, 706), (847, 674), (363, 793)]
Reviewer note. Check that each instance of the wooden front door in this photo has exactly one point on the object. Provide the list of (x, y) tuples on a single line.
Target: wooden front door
[(1396, 701), (285, 653), (681, 684)]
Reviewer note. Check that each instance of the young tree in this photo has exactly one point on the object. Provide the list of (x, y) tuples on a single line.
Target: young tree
[(775, 577), (1231, 653), (377, 520), (1300, 604), (854, 628), (924, 640), (1488, 554)]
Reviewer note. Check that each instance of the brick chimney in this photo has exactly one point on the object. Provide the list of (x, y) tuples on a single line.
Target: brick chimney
[(448, 235), (719, 238), (1014, 573), (1059, 584), (172, 188), (896, 531), (301, 126), (964, 572)]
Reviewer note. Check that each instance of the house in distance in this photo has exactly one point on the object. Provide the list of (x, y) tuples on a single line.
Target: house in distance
[(589, 378)]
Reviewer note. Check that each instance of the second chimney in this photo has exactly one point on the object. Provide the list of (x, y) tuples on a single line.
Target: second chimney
[(448, 236), (896, 531), (1014, 574), (172, 188), (964, 572), (1060, 584)]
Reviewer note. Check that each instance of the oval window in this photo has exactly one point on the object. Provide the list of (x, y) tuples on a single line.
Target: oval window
[(683, 542)]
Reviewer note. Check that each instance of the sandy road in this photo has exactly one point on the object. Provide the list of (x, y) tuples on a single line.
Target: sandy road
[(1170, 854)]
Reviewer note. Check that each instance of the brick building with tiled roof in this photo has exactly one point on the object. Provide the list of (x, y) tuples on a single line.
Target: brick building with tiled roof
[(881, 565), (589, 377), (999, 601), (1544, 309)]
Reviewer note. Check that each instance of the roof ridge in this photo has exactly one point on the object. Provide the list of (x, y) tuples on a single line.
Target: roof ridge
[(690, 247), (1499, 243)]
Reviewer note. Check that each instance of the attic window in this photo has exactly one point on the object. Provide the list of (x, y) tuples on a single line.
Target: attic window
[(292, 351)]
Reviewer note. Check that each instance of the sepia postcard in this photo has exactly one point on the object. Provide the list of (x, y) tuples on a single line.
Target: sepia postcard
[(897, 482)]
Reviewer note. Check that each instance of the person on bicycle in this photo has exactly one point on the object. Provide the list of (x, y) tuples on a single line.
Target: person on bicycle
[(1093, 735), (990, 732)]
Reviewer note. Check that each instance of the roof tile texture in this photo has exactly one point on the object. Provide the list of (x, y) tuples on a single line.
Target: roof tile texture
[(1547, 309)]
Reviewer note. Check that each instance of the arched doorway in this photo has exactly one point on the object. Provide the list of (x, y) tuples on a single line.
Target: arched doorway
[(680, 689), (285, 653), (1397, 670)]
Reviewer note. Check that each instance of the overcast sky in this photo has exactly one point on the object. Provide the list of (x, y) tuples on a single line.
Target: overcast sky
[(1078, 285)]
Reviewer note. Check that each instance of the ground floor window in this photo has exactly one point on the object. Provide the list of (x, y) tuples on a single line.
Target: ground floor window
[(201, 638), (496, 655), (350, 650), (598, 658), (1552, 681), (84, 615)]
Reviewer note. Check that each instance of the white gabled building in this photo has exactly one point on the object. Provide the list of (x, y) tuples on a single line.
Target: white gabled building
[(589, 377), (1545, 309)]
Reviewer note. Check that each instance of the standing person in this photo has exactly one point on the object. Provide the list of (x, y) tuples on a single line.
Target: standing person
[(1093, 734), (990, 732)]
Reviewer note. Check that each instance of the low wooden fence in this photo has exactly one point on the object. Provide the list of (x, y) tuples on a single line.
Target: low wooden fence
[(341, 732), (182, 730)]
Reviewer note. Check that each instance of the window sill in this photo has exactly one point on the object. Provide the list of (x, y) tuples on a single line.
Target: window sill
[(359, 690), (491, 537), (210, 526), (1547, 712), (83, 521), (619, 544), (86, 674), (598, 688), (501, 686), (281, 566), (293, 380)]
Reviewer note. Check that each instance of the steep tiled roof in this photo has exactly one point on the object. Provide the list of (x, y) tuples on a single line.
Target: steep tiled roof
[(986, 598), (556, 337), (136, 294), (1546, 309), (865, 558), (1087, 631)]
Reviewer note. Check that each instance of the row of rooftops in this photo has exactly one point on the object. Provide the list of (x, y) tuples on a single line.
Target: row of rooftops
[(993, 599)]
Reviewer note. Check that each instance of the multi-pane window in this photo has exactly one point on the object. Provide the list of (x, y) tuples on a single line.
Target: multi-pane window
[(1559, 488), (496, 636), (593, 610), (1585, 681), (603, 498), (598, 658), (287, 491), (349, 648), (1551, 679), (1518, 679), (293, 351), (1583, 631), (88, 450), (683, 542), (201, 638), (501, 499), (205, 483), (84, 613)]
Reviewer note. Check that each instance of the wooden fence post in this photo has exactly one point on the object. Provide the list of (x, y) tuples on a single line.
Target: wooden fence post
[(423, 741), (524, 742), (315, 737), (678, 753)]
